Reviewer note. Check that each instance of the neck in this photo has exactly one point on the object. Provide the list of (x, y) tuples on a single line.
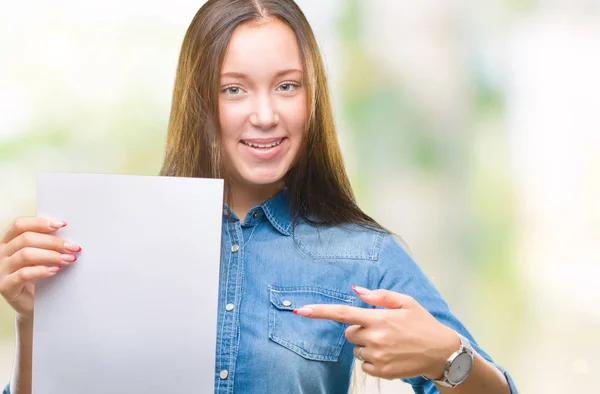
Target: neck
[(242, 198)]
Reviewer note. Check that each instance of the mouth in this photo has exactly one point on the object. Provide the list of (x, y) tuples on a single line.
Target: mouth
[(264, 148), (263, 144)]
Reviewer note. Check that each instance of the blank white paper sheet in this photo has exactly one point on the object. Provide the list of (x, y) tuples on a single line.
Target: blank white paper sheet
[(137, 313)]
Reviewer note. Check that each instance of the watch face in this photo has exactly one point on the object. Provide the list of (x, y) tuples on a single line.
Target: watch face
[(460, 368)]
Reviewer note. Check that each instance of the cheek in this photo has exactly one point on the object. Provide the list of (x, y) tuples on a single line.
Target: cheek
[(231, 119), (296, 114)]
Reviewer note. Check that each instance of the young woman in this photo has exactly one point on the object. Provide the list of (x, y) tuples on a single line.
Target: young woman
[(250, 105)]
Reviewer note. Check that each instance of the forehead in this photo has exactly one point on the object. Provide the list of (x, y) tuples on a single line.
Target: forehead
[(260, 47)]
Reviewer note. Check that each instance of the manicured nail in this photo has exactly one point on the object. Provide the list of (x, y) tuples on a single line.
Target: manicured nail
[(303, 311), (55, 269), (72, 247), (68, 258), (361, 291), (57, 225)]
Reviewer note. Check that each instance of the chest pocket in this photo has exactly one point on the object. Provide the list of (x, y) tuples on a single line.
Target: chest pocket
[(313, 339)]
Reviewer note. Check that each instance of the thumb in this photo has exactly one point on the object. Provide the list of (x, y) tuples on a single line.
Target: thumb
[(385, 298)]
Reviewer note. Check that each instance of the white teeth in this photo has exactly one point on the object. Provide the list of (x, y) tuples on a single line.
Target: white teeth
[(262, 146)]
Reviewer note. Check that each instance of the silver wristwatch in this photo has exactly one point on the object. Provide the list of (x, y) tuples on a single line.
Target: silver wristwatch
[(459, 365)]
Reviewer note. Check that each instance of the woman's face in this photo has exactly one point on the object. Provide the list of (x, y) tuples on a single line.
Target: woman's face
[(262, 103)]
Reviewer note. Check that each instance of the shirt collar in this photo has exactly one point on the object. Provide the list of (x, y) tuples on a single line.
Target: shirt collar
[(277, 210)]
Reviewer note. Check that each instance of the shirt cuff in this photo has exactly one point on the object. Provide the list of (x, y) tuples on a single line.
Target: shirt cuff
[(422, 385), (511, 383), (6, 390)]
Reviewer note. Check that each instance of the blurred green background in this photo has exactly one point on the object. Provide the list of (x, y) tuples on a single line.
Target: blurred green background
[(469, 128)]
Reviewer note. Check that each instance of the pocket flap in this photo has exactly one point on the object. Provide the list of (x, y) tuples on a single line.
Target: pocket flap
[(288, 299)]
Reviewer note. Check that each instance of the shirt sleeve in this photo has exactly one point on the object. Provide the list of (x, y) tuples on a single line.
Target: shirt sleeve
[(400, 273), (6, 389)]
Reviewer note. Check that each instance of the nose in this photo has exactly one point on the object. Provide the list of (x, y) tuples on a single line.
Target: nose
[(265, 114)]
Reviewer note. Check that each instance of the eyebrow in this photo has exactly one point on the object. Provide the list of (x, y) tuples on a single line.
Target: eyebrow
[(240, 75)]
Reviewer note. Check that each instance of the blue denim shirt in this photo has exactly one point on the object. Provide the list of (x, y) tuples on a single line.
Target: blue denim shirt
[(269, 267)]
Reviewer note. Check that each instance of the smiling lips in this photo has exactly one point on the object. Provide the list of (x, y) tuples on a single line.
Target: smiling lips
[(263, 143), (264, 148)]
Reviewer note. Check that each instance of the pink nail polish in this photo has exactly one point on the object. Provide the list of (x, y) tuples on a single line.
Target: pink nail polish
[(57, 225), (55, 269), (361, 291), (72, 247), (68, 258), (306, 312)]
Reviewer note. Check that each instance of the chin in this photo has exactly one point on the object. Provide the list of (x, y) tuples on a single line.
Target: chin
[(263, 177), (264, 181)]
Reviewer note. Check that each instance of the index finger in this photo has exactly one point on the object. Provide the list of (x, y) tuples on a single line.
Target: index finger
[(339, 313), (34, 224)]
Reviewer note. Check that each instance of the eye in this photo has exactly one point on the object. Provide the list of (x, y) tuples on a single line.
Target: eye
[(288, 86), (232, 90)]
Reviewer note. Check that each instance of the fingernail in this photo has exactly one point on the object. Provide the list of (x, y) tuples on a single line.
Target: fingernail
[(361, 291), (68, 258), (57, 225), (72, 247), (55, 269), (303, 311)]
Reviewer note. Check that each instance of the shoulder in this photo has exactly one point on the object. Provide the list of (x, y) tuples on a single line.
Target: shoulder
[(348, 241), (393, 246)]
